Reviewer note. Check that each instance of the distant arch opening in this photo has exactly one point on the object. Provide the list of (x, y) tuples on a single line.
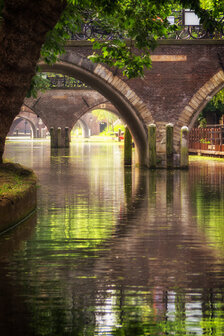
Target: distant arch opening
[(22, 126), (99, 122), (81, 129)]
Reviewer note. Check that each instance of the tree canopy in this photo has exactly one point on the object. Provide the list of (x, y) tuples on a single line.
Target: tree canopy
[(136, 25)]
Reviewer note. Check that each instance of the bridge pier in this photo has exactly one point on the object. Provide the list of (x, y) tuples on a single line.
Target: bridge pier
[(162, 153), (169, 146), (37, 135), (60, 137), (184, 147), (127, 147), (152, 145)]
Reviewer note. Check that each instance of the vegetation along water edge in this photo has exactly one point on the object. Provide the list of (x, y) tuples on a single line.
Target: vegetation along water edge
[(17, 194)]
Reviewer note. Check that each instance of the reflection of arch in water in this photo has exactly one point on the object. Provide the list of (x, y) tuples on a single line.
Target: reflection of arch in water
[(162, 191), (113, 89), (18, 120)]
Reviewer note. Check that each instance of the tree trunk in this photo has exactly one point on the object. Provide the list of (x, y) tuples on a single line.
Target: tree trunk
[(22, 32), (5, 123)]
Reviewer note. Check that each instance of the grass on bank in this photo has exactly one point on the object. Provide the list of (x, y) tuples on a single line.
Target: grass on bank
[(196, 158), (14, 180)]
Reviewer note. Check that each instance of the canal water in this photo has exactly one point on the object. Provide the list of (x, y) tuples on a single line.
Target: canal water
[(113, 251)]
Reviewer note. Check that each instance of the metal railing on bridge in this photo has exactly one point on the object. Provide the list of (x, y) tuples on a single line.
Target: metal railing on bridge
[(188, 26), (66, 82), (186, 22)]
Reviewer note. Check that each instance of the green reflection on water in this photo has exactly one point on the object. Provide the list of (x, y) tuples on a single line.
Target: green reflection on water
[(208, 199), (65, 291), (89, 226), (213, 326), (210, 216)]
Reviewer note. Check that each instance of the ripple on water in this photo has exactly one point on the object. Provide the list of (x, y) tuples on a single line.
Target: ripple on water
[(114, 252)]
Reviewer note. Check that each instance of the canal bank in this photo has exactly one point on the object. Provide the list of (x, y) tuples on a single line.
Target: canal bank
[(17, 194)]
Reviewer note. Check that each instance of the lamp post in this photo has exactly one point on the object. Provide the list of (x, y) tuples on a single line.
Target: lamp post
[(25, 125)]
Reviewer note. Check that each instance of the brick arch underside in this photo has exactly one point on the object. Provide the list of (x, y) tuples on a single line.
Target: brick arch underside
[(28, 102), (113, 89), (201, 98), (108, 107)]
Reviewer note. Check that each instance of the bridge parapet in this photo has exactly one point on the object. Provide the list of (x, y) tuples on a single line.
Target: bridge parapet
[(65, 82), (183, 25)]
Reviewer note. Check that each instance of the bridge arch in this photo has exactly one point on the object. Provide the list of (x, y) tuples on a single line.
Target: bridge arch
[(200, 99), (18, 119), (104, 106), (84, 127), (84, 124), (129, 105), (99, 106)]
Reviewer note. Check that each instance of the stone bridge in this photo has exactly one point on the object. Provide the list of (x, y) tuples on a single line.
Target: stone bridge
[(185, 75), (57, 117), (64, 107), (26, 115)]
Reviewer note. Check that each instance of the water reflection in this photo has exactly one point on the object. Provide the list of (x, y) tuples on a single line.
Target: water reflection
[(115, 252)]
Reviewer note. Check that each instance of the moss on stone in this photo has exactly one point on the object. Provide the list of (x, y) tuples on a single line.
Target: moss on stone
[(152, 145), (184, 147), (193, 158), (127, 147), (169, 145)]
